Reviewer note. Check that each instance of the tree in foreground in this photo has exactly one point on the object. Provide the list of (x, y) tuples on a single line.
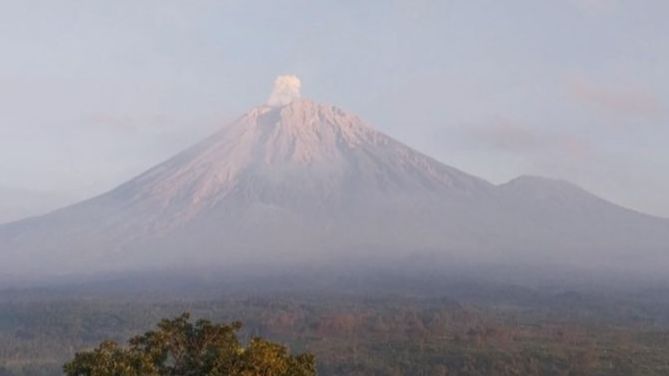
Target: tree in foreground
[(180, 347)]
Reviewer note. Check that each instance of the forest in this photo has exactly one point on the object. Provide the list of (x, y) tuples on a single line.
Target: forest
[(455, 328)]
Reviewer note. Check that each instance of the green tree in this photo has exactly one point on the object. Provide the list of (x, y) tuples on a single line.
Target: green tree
[(180, 348)]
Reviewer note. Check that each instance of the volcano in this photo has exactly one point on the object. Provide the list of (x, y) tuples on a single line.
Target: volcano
[(301, 182)]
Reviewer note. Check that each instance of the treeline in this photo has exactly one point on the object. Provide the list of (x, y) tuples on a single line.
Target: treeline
[(354, 334)]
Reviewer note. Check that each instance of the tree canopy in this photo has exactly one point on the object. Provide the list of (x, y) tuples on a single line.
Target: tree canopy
[(181, 347)]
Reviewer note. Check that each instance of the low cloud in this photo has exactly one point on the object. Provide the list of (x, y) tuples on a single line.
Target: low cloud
[(515, 138), (627, 101), (507, 136)]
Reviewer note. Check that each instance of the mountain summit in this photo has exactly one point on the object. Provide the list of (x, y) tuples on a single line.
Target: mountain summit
[(300, 156), (297, 180)]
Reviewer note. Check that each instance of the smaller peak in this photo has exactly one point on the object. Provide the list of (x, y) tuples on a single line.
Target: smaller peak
[(541, 182), (534, 179)]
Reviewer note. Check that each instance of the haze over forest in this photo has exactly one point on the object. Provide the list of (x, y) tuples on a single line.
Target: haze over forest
[(373, 188)]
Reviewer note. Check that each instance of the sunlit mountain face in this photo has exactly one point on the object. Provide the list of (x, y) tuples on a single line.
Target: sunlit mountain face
[(298, 182)]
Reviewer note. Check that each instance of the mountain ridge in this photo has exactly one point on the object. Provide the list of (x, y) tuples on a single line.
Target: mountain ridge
[(310, 181)]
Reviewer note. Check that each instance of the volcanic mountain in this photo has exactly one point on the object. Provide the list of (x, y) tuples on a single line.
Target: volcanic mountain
[(307, 182)]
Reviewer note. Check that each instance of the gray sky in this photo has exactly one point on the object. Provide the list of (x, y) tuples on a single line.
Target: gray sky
[(94, 92)]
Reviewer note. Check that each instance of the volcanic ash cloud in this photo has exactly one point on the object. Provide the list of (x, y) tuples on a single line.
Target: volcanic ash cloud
[(286, 89)]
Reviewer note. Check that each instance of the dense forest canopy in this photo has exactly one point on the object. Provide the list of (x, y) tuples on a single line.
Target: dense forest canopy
[(456, 328), (180, 347)]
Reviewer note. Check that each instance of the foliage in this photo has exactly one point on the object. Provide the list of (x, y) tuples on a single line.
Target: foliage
[(456, 330), (179, 347)]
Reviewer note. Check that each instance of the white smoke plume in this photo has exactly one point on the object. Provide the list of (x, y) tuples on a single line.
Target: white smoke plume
[(286, 89)]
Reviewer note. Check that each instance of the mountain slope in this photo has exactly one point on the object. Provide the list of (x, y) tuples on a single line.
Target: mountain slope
[(18, 203), (309, 182), (570, 225)]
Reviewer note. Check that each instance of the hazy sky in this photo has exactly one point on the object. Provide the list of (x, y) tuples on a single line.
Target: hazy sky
[(94, 92)]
